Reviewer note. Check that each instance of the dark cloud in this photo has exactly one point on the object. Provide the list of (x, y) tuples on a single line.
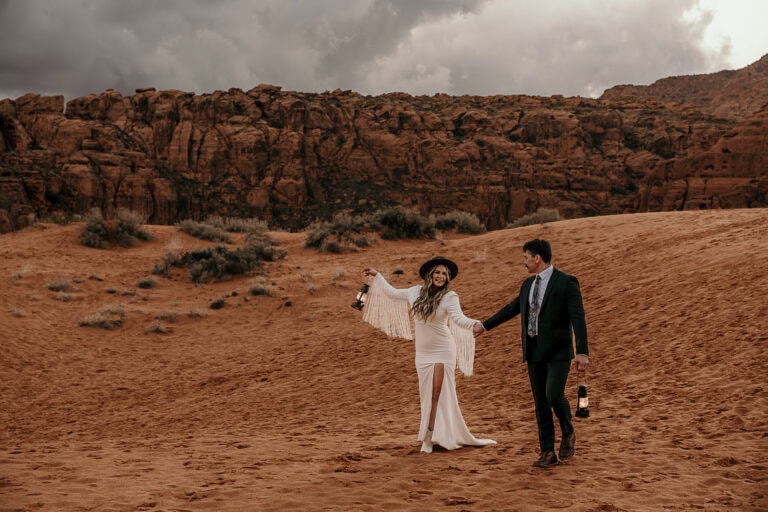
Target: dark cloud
[(76, 47)]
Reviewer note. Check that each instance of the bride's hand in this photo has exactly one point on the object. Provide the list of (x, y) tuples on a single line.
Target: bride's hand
[(369, 272)]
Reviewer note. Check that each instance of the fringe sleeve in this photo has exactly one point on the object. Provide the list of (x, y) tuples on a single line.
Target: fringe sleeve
[(461, 328), (465, 348), (387, 308)]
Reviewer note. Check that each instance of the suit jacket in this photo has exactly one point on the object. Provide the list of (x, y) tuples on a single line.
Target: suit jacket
[(560, 318)]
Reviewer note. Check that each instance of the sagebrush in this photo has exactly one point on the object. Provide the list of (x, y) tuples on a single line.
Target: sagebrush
[(540, 216), (124, 230), (221, 263)]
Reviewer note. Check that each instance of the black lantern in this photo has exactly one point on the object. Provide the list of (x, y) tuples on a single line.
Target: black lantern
[(582, 408), (360, 299)]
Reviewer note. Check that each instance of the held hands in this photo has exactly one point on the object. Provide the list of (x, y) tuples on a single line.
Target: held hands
[(582, 361), (478, 329)]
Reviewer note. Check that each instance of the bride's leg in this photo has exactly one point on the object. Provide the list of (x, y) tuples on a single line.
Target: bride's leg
[(437, 386)]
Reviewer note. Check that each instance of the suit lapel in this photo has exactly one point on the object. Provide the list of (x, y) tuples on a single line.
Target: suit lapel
[(550, 285), (525, 294)]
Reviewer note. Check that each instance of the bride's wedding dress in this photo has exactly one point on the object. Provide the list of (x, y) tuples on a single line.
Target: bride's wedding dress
[(445, 338)]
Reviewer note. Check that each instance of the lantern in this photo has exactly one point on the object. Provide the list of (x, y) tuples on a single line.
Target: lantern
[(360, 298), (582, 408)]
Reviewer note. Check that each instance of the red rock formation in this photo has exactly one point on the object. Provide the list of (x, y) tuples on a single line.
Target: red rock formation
[(291, 157)]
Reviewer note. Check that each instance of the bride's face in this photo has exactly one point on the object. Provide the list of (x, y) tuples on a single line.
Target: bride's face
[(440, 276)]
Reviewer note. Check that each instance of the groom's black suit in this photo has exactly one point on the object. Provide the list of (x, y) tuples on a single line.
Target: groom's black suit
[(549, 354)]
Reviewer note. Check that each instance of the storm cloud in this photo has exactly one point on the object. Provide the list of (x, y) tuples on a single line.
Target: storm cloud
[(484, 47)]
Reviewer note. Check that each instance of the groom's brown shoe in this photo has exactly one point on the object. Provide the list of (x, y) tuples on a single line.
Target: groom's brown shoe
[(567, 446), (547, 460)]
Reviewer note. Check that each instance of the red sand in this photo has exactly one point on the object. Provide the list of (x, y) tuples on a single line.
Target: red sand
[(264, 406)]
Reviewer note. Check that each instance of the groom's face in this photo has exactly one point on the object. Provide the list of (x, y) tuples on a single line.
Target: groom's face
[(531, 261)]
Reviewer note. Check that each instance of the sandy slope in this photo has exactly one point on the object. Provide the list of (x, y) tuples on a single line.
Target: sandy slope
[(263, 405)]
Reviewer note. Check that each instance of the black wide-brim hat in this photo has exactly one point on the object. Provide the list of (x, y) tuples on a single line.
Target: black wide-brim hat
[(453, 269)]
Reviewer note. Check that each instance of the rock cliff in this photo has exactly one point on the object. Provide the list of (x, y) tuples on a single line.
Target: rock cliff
[(291, 157)]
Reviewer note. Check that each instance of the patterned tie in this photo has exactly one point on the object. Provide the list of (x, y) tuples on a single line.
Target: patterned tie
[(533, 312)]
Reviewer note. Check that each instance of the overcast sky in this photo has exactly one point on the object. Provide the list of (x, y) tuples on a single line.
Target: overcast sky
[(537, 47)]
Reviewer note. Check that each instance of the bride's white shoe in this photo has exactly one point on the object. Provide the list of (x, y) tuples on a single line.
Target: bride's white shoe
[(426, 445)]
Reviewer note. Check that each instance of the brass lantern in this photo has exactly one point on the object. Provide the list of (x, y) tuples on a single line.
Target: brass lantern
[(360, 298), (582, 408)]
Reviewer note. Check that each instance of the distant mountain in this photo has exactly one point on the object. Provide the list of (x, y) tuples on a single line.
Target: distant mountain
[(291, 158), (728, 94)]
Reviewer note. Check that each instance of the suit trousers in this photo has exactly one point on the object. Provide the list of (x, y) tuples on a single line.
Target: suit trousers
[(548, 379)]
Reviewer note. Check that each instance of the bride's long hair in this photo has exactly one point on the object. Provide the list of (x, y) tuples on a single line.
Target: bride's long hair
[(429, 296)]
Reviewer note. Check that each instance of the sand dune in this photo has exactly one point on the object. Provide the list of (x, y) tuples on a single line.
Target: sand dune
[(290, 402)]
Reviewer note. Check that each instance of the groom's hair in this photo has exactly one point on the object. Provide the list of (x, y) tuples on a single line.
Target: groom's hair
[(540, 247)]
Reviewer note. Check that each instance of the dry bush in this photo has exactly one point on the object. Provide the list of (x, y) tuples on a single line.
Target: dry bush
[(398, 222), (261, 289), (167, 315), (123, 230), (157, 327), (106, 318), (540, 216), (26, 268), (220, 263), (60, 285), (462, 222), (197, 313), (205, 231), (237, 225), (218, 303), (344, 233), (339, 274), (147, 282)]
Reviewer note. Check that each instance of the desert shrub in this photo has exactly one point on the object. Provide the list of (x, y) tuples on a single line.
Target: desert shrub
[(398, 222), (64, 297), (197, 313), (220, 263), (94, 232), (167, 315), (60, 285), (349, 233), (147, 282), (58, 217), (237, 225), (106, 318), (157, 327), (129, 227), (317, 234), (259, 244), (26, 268), (344, 232), (218, 304), (339, 274), (124, 230), (540, 216), (261, 289), (332, 246), (462, 222), (204, 231)]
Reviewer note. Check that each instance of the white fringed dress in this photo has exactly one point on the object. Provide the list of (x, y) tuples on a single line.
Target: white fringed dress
[(445, 338)]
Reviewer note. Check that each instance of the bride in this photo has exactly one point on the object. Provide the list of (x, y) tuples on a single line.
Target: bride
[(443, 338)]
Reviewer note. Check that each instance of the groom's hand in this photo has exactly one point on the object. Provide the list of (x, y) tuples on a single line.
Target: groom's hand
[(582, 361)]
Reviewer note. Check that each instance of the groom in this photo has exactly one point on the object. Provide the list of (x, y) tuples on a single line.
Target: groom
[(551, 310)]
